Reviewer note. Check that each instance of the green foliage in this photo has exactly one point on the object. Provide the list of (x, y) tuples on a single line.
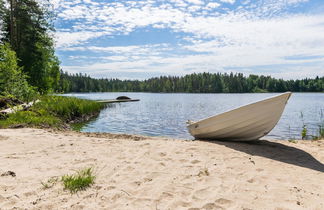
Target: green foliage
[(292, 141), (193, 83), (28, 28), (12, 81), (30, 119), (79, 181), (52, 111), (67, 108), (320, 134), (304, 132), (321, 131)]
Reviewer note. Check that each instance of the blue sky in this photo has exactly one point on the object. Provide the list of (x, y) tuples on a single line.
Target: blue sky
[(131, 39)]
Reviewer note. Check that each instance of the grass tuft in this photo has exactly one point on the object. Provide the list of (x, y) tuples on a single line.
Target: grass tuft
[(321, 131), (79, 181)]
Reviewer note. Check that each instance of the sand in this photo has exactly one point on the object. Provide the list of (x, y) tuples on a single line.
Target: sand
[(136, 172)]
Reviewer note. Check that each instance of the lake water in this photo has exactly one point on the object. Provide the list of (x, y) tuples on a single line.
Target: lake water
[(165, 114)]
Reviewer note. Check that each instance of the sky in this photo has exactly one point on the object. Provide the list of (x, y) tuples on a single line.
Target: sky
[(135, 39)]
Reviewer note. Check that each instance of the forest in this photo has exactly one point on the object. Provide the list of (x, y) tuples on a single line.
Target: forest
[(192, 83)]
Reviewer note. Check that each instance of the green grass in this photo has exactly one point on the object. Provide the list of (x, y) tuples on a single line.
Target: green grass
[(68, 108), (320, 134), (304, 132), (53, 111), (321, 131), (79, 181)]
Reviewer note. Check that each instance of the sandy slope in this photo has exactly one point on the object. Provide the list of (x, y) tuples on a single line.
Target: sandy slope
[(156, 173)]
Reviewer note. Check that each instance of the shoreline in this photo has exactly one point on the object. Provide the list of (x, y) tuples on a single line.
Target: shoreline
[(139, 172)]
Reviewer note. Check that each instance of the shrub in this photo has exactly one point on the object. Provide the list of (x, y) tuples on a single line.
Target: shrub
[(12, 80)]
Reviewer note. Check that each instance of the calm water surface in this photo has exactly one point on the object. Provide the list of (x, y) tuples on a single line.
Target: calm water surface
[(160, 114)]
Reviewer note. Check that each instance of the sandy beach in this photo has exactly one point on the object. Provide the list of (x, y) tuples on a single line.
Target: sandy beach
[(136, 172)]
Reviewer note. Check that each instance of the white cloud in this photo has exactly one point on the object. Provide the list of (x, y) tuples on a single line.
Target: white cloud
[(65, 39), (212, 5), (199, 2), (228, 1), (254, 36)]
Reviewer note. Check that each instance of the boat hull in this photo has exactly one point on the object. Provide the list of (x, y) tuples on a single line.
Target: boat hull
[(246, 123)]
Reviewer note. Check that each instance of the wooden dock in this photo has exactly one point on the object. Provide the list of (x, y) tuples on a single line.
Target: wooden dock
[(108, 101)]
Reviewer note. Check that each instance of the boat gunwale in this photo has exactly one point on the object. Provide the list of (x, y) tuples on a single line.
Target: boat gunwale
[(223, 113)]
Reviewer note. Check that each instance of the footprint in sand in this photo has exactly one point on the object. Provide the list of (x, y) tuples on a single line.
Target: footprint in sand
[(192, 149), (146, 144), (2, 199), (162, 154), (166, 196), (195, 161), (137, 183), (110, 188), (224, 202), (202, 194), (2, 138), (211, 206), (183, 160), (116, 196), (250, 180), (179, 204), (31, 193), (148, 179)]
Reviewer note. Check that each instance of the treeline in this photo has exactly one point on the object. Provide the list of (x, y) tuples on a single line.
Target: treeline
[(27, 49), (193, 83)]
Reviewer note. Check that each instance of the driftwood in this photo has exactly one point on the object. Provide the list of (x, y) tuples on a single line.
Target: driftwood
[(17, 108)]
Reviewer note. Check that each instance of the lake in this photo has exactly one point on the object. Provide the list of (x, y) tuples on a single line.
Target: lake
[(165, 114)]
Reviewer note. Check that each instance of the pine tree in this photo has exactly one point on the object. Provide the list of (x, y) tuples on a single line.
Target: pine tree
[(27, 27)]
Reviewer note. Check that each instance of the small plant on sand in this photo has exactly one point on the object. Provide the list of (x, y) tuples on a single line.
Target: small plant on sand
[(320, 134), (203, 172), (321, 131), (292, 141), (79, 181), (304, 132), (50, 183)]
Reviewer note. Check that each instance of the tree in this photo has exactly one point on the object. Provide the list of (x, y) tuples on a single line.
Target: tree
[(12, 80), (27, 26)]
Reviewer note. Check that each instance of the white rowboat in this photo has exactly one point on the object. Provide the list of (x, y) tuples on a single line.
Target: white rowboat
[(246, 123)]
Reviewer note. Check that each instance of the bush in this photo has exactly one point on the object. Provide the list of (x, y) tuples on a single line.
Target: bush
[(12, 80)]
